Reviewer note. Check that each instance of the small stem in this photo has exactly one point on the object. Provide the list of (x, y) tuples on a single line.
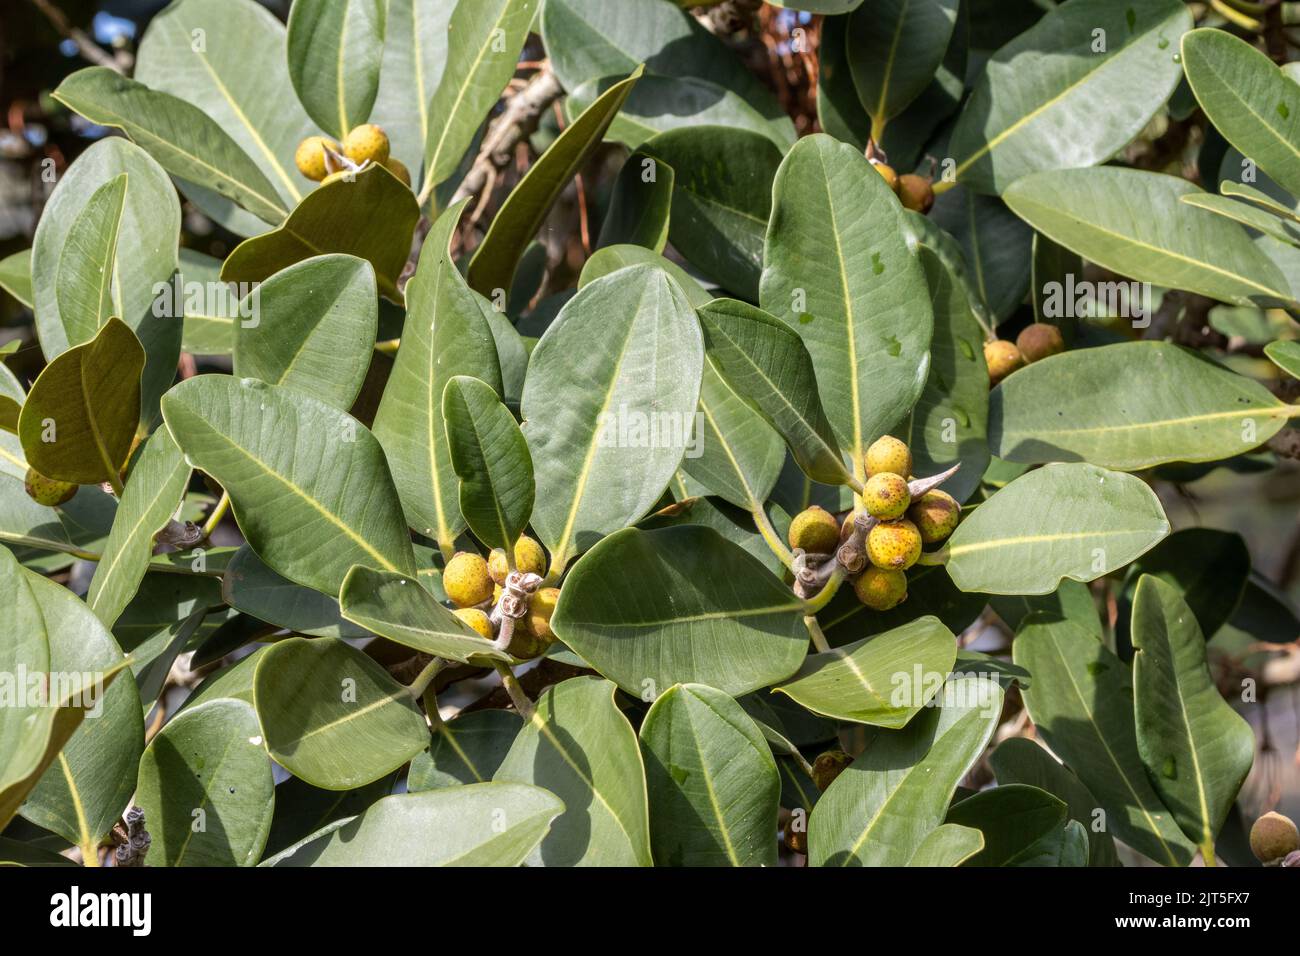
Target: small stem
[(90, 853), (430, 698), (516, 692), (934, 559), (942, 186), (423, 679), (769, 534), (388, 346), (448, 551), (1207, 853), (219, 512), (802, 761), (877, 128), (82, 555), (815, 632), (1236, 16), (823, 597)]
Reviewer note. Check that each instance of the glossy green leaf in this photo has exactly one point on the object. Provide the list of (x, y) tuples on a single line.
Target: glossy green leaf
[(209, 319), (89, 261), (1105, 216), (605, 261), (1072, 521), (398, 608), (525, 209), (649, 609), (1088, 405), (1196, 748), (313, 328), (1247, 214), (332, 500), (948, 844), (371, 217), (1208, 567), (335, 50), (446, 334), (182, 138), (206, 788), (578, 746), (608, 405), (883, 680), (1286, 356), (26, 524), (78, 421), (152, 496), (713, 784), (1073, 601), (639, 205), (248, 585), (881, 809), (1052, 268), (996, 245), (484, 43), (894, 49), (200, 51), (839, 270), (1081, 702), (465, 750), (491, 459), (839, 111), (1034, 106), (332, 716), (766, 362), (460, 826), (1012, 818), (16, 276)]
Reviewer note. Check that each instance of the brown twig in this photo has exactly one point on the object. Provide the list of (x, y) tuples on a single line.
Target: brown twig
[(88, 48)]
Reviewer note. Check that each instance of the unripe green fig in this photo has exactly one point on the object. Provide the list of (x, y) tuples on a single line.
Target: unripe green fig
[(466, 580), (48, 491), (915, 193), (1273, 836), (894, 545), (935, 515), (886, 496), (815, 530), (366, 142), (1002, 358), (529, 557), (828, 766), (1039, 341), (879, 589), (888, 454), (398, 169), (478, 620)]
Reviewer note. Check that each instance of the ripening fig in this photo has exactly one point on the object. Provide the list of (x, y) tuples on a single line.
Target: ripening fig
[(366, 142), (815, 530), (466, 580), (879, 589), (529, 557), (828, 766), (335, 177), (1039, 341), (796, 841), (525, 643), (886, 496), (935, 515), (1002, 358), (540, 608), (310, 156), (48, 491), (1273, 836), (894, 545), (477, 619), (887, 173), (398, 169), (915, 193), (888, 454)]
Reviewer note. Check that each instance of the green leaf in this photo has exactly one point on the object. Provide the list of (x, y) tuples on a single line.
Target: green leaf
[(1021, 760), (839, 111), (608, 404), (639, 205), (309, 485), (313, 328), (146, 258), (1034, 106), (881, 809), (1053, 266), (209, 319), (883, 681), (446, 334), (1286, 356), (302, 811), (516, 223), (894, 50), (1072, 521), (183, 139), (371, 217), (766, 362), (332, 716), (949, 423), (89, 261), (839, 270), (153, 494), (947, 845), (1248, 99), (335, 51), (1104, 216), (78, 421), (465, 750), (484, 43), (1248, 214), (605, 261), (398, 608), (16, 276), (491, 459), (1012, 818), (996, 245), (206, 788), (649, 609), (1087, 405), (1209, 568), (1196, 748), (713, 784), (1081, 701), (578, 746), (1071, 601), (253, 588), (458, 826), (26, 524), (201, 51)]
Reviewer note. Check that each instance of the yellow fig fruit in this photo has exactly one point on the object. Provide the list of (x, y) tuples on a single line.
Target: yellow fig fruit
[(935, 515), (540, 608), (886, 496), (466, 580), (1039, 341), (879, 589), (894, 545), (1273, 836), (887, 173), (529, 557), (48, 491), (889, 455), (366, 142), (915, 193), (478, 620), (815, 530), (398, 169), (1002, 358), (309, 157)]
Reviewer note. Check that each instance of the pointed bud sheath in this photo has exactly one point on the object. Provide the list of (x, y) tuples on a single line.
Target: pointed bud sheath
[(919, 486)]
